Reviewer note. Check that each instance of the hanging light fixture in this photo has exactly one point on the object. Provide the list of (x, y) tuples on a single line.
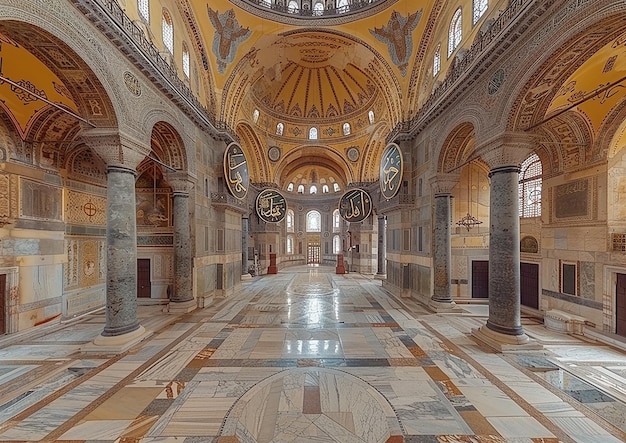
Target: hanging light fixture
[(468, 220)]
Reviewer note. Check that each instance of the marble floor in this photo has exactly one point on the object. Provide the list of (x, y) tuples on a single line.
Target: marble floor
[(309, 356)]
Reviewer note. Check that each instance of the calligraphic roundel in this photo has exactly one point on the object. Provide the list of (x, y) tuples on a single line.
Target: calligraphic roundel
[(271, 206), (236, 171), (391, 166), (355, 205)]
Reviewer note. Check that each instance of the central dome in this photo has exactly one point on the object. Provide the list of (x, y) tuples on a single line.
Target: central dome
[(316, 78)]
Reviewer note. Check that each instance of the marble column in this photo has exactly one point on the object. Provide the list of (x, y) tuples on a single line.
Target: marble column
[(244, 246), (181, 300), (382, 245), (504, 252), (121, 155), (442, 186), (442, 253), (504, 328), (121, 231)]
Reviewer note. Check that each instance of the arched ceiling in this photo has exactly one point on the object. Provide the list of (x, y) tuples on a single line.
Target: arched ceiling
[(318, 73)]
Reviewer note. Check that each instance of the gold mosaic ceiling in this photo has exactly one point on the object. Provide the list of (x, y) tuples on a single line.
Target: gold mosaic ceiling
[(315, 77)]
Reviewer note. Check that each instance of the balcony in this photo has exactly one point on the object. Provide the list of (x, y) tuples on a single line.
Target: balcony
[(227, 201)]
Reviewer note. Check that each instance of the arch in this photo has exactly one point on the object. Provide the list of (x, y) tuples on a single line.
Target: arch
[(65, 60), (457, 148), (167, 30), (314, 221), (373, 150), (313, 155), (168, 146), (251, 144), (455, 33), (530, 102)]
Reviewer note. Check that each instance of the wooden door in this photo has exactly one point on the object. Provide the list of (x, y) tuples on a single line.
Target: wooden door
[(529, 291), (3, 310), (620, 305), (313, 253), (480, 279), (144, 288)]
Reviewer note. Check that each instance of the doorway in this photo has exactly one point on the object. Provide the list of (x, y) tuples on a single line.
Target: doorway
[(313, 253), (620, 305), (529, 291), (144, 286), (480, 279)]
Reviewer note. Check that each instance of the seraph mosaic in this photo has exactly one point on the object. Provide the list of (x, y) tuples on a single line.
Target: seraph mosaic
[(398, 38), (228, 36)]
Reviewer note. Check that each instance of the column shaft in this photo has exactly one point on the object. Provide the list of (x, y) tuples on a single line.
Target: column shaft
[(382, 245), (442, 249), (182, 249), (504, 255), (121, 288), (244, 245)]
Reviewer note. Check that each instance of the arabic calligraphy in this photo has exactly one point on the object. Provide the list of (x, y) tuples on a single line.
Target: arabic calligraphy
[(355, 205), (271, 206), (390, 171), (236, 171)]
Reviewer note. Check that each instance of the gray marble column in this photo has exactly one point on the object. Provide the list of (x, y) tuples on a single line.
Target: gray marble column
[(504, 253), (442, 253), (382, 245), (244, 245), (183, 253), (121, 231)]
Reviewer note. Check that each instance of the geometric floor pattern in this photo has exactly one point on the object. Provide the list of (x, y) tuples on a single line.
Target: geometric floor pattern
[(309, 356)]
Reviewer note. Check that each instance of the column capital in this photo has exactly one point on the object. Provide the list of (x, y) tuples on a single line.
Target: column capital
[(181, 182), (507, 149), (115, 149), (443, 183)]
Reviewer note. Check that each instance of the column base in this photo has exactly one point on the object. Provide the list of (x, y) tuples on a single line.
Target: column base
[(116, 344), (442, 307), (505, 342), (246, 276), (380, 277), (182, 307)]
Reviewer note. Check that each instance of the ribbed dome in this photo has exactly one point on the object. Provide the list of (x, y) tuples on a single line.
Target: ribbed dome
[(314, 79)]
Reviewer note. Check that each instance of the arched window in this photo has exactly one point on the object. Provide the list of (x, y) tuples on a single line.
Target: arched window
[(318, 8), (186, 65), (346, 128), (530, 187), (300, 189), (289, 220), (255, 115), (292, 6), (336, 244), (480, 7), (437, 61), (370, 115), (313, 221), (313, 189), (290, 187), (343, 6), (279, 129), (290, 244), (168, 31), (144, 9), (335, 187), (325, 189), (336, 221), (313, 133), (455, 34)]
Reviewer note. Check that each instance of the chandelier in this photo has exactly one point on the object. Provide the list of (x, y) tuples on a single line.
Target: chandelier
[(468, 220)]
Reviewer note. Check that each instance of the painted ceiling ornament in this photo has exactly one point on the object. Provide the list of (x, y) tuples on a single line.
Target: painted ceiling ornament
[(228, 35), (397, 35)]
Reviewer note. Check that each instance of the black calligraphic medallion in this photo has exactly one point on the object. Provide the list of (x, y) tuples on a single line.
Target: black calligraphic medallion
[(355, 205), (236, 171), (271, 206), (391, 166)]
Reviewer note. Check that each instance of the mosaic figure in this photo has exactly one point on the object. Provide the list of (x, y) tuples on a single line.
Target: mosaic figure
[(228, 35), (397, 36)]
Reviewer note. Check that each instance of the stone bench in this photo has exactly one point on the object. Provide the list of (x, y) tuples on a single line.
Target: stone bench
[(561, 321)]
